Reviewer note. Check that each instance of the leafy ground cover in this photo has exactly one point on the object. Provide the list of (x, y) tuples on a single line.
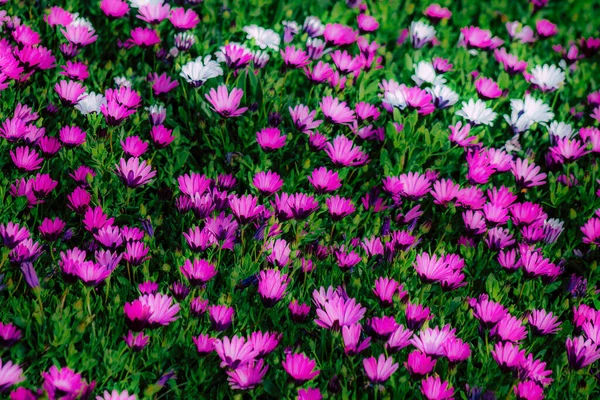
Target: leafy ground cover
[(291, 199)]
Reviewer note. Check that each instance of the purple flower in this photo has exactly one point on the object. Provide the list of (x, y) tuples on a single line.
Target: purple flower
[(133, 172), (581, 352)]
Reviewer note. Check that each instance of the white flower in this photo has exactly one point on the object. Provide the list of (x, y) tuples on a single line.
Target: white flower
[(477, 113), (396, 98), (260, 58), (122, 81), (560, 130), (200, 70), (155, 109), (527, 112), (141, 3), (90, 103), (291, 25), (424, 72), (421, 33), (263, 37), (80, 21), (442, 96), (313, 26), (513, 144), (547, 77), (553, 227)]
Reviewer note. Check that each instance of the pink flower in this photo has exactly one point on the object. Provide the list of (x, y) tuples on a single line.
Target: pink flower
[(339, 35), (339, 207), (545, 28), (154, 13), (337, 312), (279, 254), (26, 159), (183, 19), (528, 390), (336, 111), (270, 139), (487, 88), (300, 367), (65, 383), (510, 62), (343, 152), (77, 71), (345, 63), (134, 172), (204, 344), (379, 370), (220, 317), (444, 191), (591, 231), (163, 84), (72, 136), (319, 73), (508, 356), (70, 92), (581, 352), (414, 185), (267, 183), (294, 58), (367, 23), (324, 181), (460, 135), (351, 335), (234, 352), (510, 328), (226, 104), (435, 13), (198, 272), (527, 175), (144, 37), (247, 376), (114, 8), (133, 146), (303, 118), (271, 286), (431, 341), (418, 99), (434, 389), (58, 16), (441, 65), (419, 364), (79, 35), (161, 136), (475, 37), (26, 36)]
